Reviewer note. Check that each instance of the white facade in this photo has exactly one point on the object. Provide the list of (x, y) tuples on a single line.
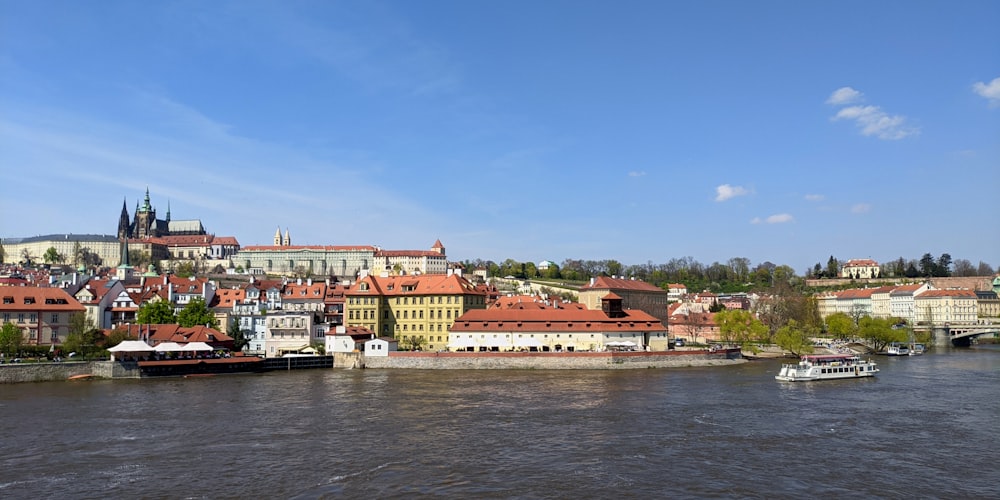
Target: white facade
[(380, 347), (938, 307), (287, 331), (901, 301)]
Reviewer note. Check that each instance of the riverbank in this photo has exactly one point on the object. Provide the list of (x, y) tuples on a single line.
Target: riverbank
[(552, 360)]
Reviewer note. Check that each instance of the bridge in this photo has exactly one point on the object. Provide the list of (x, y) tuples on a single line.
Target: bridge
[(962, 335)]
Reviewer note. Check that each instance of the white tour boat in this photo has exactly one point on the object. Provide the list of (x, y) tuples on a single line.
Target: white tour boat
[(898, 349), (827, 367)]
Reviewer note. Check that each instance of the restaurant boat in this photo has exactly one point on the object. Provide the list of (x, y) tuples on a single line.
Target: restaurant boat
[(826, 367)]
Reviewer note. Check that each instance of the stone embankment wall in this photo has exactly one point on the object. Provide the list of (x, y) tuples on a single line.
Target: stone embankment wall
[(551, 361), (16, 373), (348, 360)]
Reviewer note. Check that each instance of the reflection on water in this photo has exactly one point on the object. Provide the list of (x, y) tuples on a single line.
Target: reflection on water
[(684, 432)]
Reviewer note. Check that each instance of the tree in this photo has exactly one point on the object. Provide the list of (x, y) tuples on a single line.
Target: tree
[(878, 332), (139, 259), (943, 265), (26, 257), (240, 336), (963, 267), (928, 267), (740, 327), (11, 339), (984, 269), (840, 325), (413, 342), (117, 336), (82, 337), (795, 338), (89, 259), (77, 253), (832, 267), (185, 269), (158, 312), (52, 256), (197, 313)]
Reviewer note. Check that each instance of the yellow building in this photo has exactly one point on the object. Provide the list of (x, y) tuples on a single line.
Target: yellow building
[(417, 310)]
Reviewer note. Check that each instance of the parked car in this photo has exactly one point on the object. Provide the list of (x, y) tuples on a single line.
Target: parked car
[(679, 342)]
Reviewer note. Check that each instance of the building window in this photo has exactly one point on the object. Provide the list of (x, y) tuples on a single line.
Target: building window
[(55, 318)]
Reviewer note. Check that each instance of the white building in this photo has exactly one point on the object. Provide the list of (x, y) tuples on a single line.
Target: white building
[(381, 346)]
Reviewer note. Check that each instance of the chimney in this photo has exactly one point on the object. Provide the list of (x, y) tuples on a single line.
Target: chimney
[(309, 281)]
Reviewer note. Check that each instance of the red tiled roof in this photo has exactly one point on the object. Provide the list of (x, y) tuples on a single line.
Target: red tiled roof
[(861, 263), (33, 298), (319, 248), (930, 294), (608, 283), (427, 284)]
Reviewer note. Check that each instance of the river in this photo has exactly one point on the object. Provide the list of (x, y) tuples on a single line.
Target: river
[(924, 427)]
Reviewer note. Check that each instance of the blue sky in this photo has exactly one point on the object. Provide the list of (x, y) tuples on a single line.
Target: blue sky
[(636, 131)]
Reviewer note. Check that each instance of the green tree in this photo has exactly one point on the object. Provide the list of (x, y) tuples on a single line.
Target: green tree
[(239, 335), (413, 342), (928, 267), (840, 325), (117, 336), (11, 339), (878, 332), (158, 312), (832, 267), (943, 265), (795, 338), (52, 256), (83, 336), (197, 313), (184, 269), (740, 327)]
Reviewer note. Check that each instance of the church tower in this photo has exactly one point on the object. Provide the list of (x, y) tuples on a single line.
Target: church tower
[(438, 247), (277, 237), (288, 239), (124, 226)]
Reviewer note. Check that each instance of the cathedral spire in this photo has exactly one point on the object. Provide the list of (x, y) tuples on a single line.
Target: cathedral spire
[(123, 221), (277, 237), (168, 209), (146, 207)]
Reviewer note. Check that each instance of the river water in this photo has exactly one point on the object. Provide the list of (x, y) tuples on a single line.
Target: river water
[(924, 427)]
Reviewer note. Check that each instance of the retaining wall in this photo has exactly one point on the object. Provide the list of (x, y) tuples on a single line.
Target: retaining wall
[(14, 373), (550, 361)]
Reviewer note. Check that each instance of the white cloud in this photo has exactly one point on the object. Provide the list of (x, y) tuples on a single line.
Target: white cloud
[(779, 219), (725, 192), (844, 95), (636, 174), (991, 91), (860, 208), (873, 121), (815, 197), (773, 219)]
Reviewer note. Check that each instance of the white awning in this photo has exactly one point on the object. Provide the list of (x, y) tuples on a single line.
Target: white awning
[(167, 347), (132, 346), (197, 346)]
